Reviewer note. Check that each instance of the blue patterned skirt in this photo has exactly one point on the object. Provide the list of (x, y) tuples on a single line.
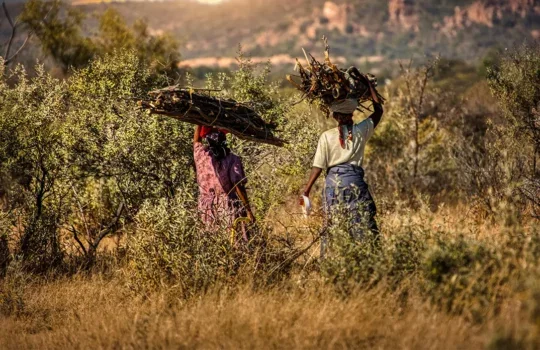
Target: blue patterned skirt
[(347, 193)]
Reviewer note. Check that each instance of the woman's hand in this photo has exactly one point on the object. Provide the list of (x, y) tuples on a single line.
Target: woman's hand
[(315, 173), (301, 199)]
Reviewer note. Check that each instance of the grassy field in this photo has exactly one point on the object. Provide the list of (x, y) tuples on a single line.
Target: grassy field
[(304, 311)]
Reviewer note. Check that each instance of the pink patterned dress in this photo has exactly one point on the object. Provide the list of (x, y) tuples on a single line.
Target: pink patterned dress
[(218, 203)]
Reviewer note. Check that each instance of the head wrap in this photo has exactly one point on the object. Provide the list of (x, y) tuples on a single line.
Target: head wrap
[(347, 106), (205, 130)]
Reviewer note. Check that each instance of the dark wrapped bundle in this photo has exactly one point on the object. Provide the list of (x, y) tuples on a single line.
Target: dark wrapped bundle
[(197, 106), (325, 83)]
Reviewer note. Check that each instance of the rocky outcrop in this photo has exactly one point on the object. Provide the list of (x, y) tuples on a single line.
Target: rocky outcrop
[(330, 17), (304, 26), (333, 16), (524, 6), (336, 16), (403, 14), (486, 12)]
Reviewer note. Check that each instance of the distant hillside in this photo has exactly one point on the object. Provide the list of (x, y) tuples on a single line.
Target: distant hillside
[(369, 32), (367, 29)]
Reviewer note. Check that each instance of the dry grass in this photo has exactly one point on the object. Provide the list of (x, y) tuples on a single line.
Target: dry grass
[(94, 313), (100, 311)]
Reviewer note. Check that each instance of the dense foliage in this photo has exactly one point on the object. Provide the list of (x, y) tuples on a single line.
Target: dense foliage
[(60, 31)]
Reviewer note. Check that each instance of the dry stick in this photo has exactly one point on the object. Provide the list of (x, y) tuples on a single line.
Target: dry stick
[(13, 30), (76, 237), (415, 109), (295, 256), (81, 212), (7, 59), (276, 142), (103, 233), (239, 119)]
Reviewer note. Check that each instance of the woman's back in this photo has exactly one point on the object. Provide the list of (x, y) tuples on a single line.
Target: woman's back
[(330, 152), (217, 177)]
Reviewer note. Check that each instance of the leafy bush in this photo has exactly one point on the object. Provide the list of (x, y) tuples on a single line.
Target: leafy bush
[(78, 157), (515, 82), (392, 259), (60, 29), (408, 155), (170, 247), (35, 158), (12, 291), (460, 276)]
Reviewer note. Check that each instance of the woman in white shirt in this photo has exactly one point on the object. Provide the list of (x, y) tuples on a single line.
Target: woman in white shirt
[(341, 152)]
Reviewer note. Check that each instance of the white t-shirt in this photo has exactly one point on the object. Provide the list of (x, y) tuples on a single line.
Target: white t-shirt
[(330, 153)]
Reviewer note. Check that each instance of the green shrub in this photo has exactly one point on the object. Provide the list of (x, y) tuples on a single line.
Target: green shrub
[(171, 248), (393, 258), (34, 154), (515, 82), (473, 277), (460, 275)]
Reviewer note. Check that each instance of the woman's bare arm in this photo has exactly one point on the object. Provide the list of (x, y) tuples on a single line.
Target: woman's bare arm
[(242, 194), (377, 114), (197, 135), (377, 107), (315, 173)]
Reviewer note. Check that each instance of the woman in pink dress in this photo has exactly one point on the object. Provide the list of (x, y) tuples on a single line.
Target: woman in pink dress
[(221, 179)]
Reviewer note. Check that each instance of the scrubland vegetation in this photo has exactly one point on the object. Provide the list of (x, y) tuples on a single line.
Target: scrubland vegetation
[(101, 245)]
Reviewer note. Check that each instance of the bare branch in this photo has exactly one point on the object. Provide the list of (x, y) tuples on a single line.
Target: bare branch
[(81, 211), (13, 32), (14, 26), (103, 233), (76, 236), (6, 12), (9, 60)]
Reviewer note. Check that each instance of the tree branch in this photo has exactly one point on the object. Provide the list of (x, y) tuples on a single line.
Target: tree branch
[(76, 236), (14, 26), (9, 60), (6, 12), (13, 30), (103, 233)]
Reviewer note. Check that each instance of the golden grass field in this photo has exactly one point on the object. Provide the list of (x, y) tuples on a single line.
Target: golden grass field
[(100, 311)]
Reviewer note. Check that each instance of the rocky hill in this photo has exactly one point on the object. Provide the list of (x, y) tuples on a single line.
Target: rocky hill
[(370, 32)]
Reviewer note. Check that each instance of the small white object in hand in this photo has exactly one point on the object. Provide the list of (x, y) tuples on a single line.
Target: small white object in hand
[(306, 208)]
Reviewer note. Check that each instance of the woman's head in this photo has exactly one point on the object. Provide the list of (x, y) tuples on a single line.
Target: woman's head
[(343, 110), (217, 144)]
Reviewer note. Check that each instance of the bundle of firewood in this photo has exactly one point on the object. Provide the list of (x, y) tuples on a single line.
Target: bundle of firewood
[(325, 83), (197, 106)]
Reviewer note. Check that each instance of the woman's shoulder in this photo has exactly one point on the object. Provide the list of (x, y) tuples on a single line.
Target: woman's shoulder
[(365, 126), (330, 132)]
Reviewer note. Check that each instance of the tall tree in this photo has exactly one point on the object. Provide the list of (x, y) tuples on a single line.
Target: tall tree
[(60, 33), (59, 28)]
